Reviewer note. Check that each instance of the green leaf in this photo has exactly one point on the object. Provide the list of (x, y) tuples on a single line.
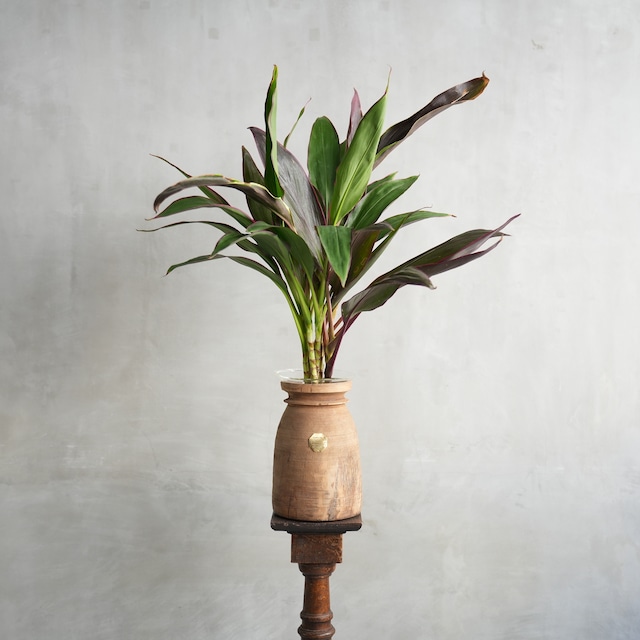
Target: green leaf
[(337, 245), (220, 226), (371, 207), (402, 130), (404, 219), (298, 250), (188, 204), (196, 260), (295, 124), (362, 243), (251, 247), (372, 185), (281, 244), (271, 164), (246, 262), (323, 158), (272, 246), (227, 240), (355, 169)]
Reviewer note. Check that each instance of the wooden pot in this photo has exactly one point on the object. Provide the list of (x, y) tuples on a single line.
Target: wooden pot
[(316, 462)]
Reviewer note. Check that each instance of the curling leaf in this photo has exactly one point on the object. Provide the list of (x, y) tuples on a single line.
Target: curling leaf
[(210, 193), (402, 130), (256, 191)]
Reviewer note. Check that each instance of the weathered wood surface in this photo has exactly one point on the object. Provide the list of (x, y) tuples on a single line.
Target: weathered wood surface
[(303, 526), (316, 547), (316, 459), (316, 555)]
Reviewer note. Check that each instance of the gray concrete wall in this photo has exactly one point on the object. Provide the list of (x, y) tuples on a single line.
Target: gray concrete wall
[(498, 415)]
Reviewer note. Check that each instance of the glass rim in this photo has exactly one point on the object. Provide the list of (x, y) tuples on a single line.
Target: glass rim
[(297, 376)]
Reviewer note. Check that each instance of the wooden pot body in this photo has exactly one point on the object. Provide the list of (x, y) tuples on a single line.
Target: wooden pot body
[(316, 462)]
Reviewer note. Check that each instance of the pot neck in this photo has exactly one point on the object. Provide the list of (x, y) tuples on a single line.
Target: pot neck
[(316, 393)]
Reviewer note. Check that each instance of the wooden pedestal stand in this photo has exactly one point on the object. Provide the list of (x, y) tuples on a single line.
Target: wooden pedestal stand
[(316, 547)]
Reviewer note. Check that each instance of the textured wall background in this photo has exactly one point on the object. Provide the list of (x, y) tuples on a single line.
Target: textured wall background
[(498, 415)]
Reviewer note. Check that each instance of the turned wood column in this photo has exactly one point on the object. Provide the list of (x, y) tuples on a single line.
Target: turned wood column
[(316, 555), (316, 547)]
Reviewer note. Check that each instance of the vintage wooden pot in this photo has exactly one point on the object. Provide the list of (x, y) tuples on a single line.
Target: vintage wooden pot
[(316, 462)]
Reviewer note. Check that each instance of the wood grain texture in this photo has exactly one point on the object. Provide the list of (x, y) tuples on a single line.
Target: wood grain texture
[(316, 611)]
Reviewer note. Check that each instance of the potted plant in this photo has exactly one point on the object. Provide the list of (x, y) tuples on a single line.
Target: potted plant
[(315, 233)]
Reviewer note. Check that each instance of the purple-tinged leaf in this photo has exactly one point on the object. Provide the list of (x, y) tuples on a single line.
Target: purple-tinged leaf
[(363, 254), (402, 130), (449, 255), (226, 240), (179, 206), (246, 262), (354, 117), (371, 298), (306, 213), (220, 226), (363, 257), (362, 243), (256, 191), (188, 204), (210, 193), (456, 247), (251, 174)]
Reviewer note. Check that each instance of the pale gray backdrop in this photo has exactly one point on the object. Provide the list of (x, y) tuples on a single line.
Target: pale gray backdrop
[(498, 415)]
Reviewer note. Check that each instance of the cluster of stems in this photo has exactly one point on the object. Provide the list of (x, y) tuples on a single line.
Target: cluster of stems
[(314, 318)]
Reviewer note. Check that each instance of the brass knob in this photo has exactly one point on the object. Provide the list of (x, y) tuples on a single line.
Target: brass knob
[(318, 442)]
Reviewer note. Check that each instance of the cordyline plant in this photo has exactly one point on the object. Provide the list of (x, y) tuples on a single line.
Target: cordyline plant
[(315, 233)]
